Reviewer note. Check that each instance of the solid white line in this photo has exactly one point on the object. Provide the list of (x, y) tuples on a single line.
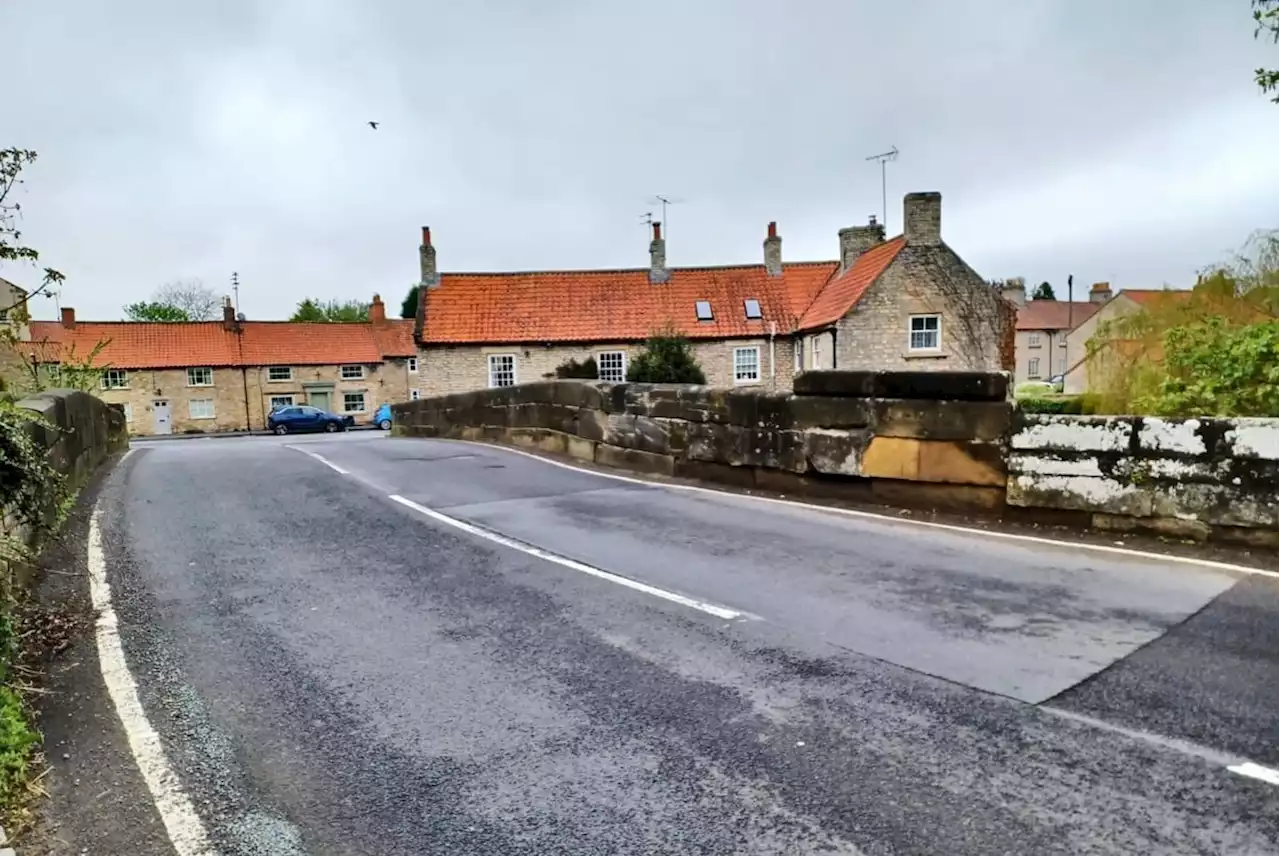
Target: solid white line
[(884, 518), (186, 831), (330, 464), (1257, 771), (470, 528)]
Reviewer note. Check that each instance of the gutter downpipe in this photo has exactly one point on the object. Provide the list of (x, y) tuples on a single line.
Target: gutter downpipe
[(773, 375)]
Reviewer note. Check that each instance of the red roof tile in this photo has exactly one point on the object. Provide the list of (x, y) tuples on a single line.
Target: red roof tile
[(139, 345), (1147, 297), (615, 305), (840, 295), (1055, 314)]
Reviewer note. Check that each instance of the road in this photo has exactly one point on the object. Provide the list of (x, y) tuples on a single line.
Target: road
[(372, 645)]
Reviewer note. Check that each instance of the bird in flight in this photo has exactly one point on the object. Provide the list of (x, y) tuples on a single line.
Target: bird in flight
[(373, 125)]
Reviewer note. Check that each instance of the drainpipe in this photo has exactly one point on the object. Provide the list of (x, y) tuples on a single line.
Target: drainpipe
[(244, 377), (773, 376)]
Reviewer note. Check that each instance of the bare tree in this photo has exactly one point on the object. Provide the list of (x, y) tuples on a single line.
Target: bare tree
[(192, 297)]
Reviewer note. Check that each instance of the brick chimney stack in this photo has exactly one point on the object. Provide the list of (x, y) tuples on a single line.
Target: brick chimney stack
[(68, 318), (856, 240), (427, 261), (773, 252), (229, 322), (377, 312), (658, 256), (922, 218), (1100, 292)]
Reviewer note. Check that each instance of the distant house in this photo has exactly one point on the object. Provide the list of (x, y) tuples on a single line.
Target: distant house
[(1041, 348), (1084, 369), (227, 375), (907, 302)]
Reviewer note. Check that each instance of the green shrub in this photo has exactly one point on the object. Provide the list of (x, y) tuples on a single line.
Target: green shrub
[(16, 741), (667, 358), (585, 370), (1050, 403)]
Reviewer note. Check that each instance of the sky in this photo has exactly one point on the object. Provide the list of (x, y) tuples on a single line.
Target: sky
[(1122, 142)]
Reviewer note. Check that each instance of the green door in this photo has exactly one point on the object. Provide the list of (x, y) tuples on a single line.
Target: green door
[(319, 398)]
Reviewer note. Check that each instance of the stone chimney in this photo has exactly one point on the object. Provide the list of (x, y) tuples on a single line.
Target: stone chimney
[(377, 312), (229, 322), (658, 256), (922, 218), (427, 261), (856, 240), (773, 252), (1100, 292), (68, 318), (1015, 291)]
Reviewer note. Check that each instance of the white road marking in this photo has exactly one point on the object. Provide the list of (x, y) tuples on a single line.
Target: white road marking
[(885, 518), (1257, 771), (572, 564), (1233, 764), (184, 827), (330, 464)]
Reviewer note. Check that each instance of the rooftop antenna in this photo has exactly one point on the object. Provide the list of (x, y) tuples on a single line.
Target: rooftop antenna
[(664, 201), (235, 287), (647, 218), (884, 158)]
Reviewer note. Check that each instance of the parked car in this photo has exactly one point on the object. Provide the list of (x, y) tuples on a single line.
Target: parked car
[(383, 417), (300, 418)]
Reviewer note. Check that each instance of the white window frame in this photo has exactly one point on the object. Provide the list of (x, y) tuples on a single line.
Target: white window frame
[(415, 394), (271, 402), (621, 367), (364, 402), (191, 408), (288, 374), (798, 354), (931, 349), (192, 375), (412, 365), (815, 353), (739, 379), (1033, 367), (1033, 340), (491, 358), (346, 373), (114, 379)]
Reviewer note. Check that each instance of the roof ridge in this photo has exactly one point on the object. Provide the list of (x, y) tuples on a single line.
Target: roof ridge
[(645, 270)]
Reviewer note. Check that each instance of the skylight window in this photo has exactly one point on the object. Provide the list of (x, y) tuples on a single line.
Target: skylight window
[(703, 309), (752, 306)]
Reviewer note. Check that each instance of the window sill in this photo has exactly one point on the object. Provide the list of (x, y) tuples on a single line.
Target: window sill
[(280, 380), (924, 355)]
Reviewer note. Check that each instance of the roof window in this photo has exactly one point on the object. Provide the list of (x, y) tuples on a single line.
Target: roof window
[(703, 310), (752, 307)]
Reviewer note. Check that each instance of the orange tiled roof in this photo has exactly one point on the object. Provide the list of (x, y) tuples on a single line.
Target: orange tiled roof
[(843, 292), (615, 305), (1148, 296), (139, 345), (1055, 314)]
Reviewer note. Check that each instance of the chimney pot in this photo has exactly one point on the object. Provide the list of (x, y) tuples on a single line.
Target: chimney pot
[(426, 236), (922, 218), (68, 317), (773, 252), (377, 311), (1100, 292), (658, 256)]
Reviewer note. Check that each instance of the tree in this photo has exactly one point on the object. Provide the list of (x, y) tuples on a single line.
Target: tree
[(153, 310), (331, 311), (1044, 291), (409, 309), (12, 161), (1266, 17), (197, 300), (667, 358)]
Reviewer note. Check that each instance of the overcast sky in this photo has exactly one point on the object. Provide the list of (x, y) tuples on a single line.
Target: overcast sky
[(1120, 141)]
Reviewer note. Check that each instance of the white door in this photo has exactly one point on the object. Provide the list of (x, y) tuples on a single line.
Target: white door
[(163, 420)]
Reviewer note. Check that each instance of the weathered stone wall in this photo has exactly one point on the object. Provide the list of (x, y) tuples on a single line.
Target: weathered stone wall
[(1197, 478), (907, 438)]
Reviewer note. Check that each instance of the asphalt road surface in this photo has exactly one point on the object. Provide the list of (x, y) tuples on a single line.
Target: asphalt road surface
[(418, 647)]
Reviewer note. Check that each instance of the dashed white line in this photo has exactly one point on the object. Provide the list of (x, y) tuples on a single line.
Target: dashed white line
[(885, 518), (1257, 771), (573, 564), (184, 827)]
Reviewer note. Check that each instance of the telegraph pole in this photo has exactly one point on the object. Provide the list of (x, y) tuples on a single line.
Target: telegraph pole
[(884, 158)]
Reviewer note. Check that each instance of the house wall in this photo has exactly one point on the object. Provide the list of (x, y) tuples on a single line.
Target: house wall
[(927, 280), (242, 399), (1077, 379), (1051, 354), (464, 368)]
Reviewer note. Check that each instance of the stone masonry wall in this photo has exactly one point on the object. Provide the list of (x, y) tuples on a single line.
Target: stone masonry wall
[(1192, 478), (889, 437)]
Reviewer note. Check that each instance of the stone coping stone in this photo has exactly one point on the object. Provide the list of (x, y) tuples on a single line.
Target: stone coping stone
[(933, 386)]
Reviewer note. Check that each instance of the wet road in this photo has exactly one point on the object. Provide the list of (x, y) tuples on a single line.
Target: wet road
[(515, 657)]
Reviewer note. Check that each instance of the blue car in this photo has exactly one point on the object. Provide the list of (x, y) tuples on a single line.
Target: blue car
[(383, 417), (301, 418)]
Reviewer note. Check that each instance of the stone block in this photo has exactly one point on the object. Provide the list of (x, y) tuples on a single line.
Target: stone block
[(709, 441), (1245, 535), (941, 420), (773, 448), (940, 497), (1254, 438), (933, 386), (834, 451), (592, 424), (809, 411), (1073, 433), (634, 459), (578, 393), (1170, 436), (1080, 493), (891, 458), (960, 463), (1219, 505), (711, 471), (583, 450), (1170, 526)]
